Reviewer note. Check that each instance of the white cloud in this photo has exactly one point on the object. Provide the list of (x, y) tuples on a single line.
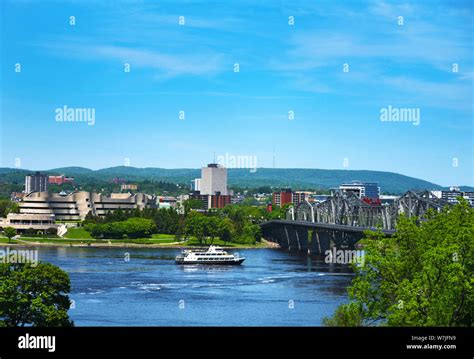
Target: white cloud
[(452, 95), (416, 58), (165, 65)]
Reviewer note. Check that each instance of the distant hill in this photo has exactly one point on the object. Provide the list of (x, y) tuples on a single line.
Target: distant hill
[(296, 178), (76, 170)]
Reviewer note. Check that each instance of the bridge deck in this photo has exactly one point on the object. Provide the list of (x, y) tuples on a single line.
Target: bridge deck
[(340, 227)]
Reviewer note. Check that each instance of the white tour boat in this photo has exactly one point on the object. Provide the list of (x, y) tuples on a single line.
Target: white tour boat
[(213, 255)]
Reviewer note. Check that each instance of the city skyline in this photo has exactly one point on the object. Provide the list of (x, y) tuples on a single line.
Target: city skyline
[(293, 101), (305, 179)]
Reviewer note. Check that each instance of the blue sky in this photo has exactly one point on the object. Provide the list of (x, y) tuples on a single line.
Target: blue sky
[(283, 68)]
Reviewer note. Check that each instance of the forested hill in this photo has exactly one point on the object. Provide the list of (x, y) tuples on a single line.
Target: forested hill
[(296, 178)]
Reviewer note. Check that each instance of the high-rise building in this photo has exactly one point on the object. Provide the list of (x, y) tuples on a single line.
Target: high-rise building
[(453, 194), (362, 190), (301, 196), (204, 198), (288, 196), (211, 188), (283, 197), (219, 201), (37, 182), (196, 184), (213, 180)]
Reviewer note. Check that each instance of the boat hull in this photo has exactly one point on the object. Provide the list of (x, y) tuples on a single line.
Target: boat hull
[(223, 262)]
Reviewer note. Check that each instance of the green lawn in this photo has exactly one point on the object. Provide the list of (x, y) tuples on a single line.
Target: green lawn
[(163, 236), (81, 233), (48, 240), (80, 236), (146, 241), (85, 241), (77, 233)]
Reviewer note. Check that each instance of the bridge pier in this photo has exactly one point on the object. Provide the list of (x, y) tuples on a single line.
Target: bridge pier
[(302, 239), (320, 241), (292, 239), (281, 237)]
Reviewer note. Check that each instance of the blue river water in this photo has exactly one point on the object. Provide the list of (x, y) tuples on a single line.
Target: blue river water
[(144, 287)]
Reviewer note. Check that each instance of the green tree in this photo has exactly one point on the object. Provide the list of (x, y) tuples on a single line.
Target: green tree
[(237, 215), (225, 229), (192, 203), (212, 224), (10, 232), (195, 225), (346, 315), (91, 218), (7, 206), (279, 212), (34, 295), (167, 220), (421, 276), (131, 228)]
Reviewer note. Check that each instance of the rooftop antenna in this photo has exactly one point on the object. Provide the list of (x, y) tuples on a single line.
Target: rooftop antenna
[(214, 157), (273, 159)]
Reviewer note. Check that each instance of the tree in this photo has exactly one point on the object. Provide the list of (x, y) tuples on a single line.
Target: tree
[(225, 229), (91, 218), (238, 217), (166, 219), (195, 225), (131, 228), (10, 232), (192, 203), (346, 315), (7, 206), (421, 276), (34, 295), (279, 212), (212, 225)]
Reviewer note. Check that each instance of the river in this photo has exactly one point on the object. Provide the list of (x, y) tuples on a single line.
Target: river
[(144, 287)]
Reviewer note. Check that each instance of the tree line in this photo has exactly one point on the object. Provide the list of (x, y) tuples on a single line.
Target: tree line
[(233, 223)]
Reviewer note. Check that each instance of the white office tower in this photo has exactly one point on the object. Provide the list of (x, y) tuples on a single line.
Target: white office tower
[(213, 179), (37, 182), (196, 184)]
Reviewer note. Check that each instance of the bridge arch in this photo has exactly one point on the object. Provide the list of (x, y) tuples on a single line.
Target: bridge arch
[(347, 209), (305, 212)]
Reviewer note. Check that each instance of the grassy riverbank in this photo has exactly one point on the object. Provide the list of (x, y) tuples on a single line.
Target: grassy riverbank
[(156, 241)]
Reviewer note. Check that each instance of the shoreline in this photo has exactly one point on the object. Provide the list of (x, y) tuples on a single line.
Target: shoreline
[(267, 245)]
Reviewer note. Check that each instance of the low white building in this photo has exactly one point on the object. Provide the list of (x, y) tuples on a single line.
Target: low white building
[(29, 221), (76, 205)]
